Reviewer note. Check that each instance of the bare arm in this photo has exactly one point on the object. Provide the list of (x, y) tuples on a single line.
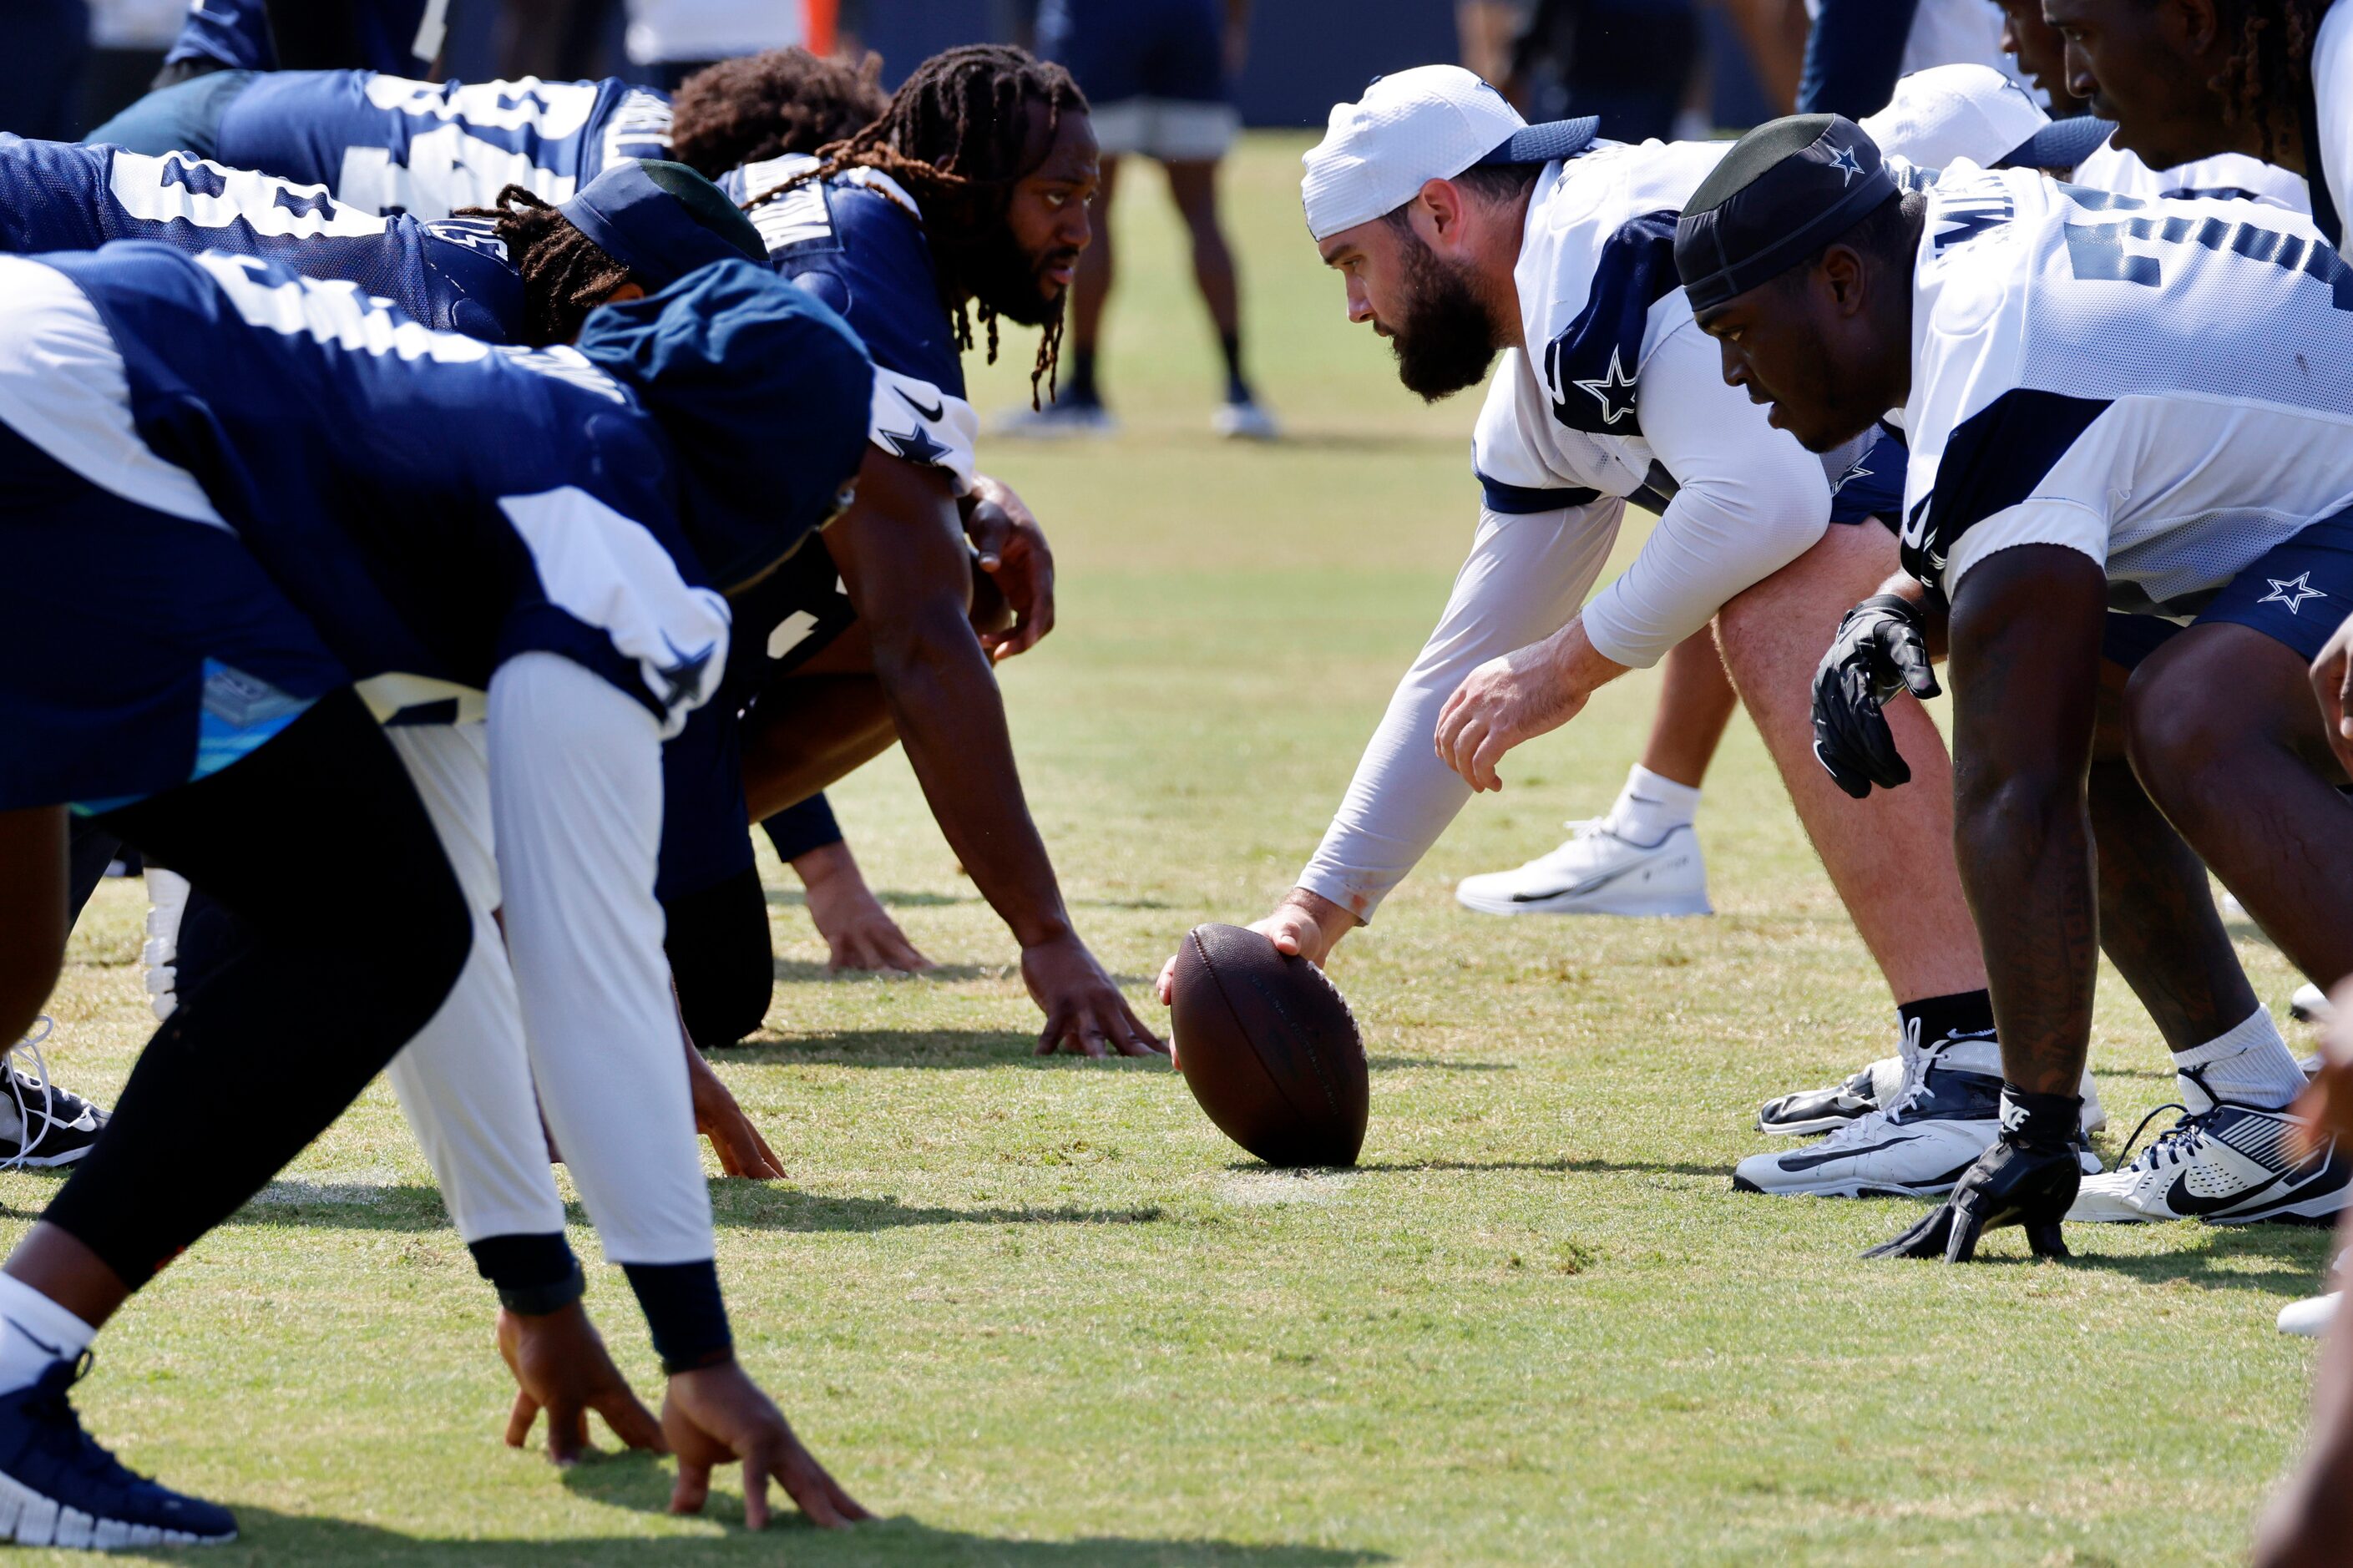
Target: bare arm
[(2025, 663), (903, 559), (33, 925)]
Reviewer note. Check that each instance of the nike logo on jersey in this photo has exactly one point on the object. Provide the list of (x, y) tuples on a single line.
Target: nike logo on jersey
[(933, 415), (1614, 391), (2291, 593)]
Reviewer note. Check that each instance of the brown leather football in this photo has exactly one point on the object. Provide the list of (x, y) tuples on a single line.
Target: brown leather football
[(1268, 1049)]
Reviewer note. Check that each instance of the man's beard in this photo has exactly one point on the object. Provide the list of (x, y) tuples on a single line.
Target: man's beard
[(1003, 277), (1445, 340)]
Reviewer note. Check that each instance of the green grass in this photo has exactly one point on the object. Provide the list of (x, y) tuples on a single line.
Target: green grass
[(1041, 1314)]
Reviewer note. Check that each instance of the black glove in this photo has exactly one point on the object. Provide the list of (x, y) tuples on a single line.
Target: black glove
[(2029, 1177), (1879, 651)]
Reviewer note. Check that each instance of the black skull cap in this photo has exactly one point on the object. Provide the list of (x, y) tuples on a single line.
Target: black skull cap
[(1783, 191)]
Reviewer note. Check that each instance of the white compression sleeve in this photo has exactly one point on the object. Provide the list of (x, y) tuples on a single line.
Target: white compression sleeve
[(576, 802), (1525, 580), (465, 1083), (1751, 500)]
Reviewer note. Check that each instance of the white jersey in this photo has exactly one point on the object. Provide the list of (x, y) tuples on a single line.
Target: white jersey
[(2165, 386), (1617, 395), (2332, 87), (2229, 175)]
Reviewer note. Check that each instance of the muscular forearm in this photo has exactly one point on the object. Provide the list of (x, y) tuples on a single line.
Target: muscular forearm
[(2024, 843), (950, 718)]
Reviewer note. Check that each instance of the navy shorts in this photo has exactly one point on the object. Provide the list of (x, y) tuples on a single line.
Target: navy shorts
[(184, 118), (2297, 593), (1153, 71)]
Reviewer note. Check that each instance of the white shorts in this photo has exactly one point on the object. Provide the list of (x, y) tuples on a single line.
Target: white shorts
[(1174, 130)]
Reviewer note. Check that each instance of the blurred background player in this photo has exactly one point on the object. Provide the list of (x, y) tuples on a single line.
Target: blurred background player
[(1632, 62), (1858, 49), (1156, 73)]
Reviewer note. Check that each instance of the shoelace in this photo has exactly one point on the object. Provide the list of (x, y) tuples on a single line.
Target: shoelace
[(10, 1059), (2172, 1146)]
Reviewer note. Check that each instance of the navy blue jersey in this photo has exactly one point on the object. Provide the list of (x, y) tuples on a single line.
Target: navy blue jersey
[(433, 504), (386, 143), (452, 276)]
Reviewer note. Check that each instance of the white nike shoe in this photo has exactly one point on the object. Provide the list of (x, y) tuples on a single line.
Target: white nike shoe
[(2227, 1165), (1245, 421), (2311, 1317), (1918, 1147), (1599, 873), (1057, 422), (1810, 1111)]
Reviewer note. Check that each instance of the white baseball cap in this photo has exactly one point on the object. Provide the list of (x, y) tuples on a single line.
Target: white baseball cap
[(1428, 124), (1948, 112)]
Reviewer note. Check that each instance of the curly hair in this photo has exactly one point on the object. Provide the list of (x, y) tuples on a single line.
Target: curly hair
[(957, 135), (564, 275), (764, 106), (2268, 76)]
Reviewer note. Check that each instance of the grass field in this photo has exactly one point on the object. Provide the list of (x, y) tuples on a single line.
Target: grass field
[(1040, 1313)]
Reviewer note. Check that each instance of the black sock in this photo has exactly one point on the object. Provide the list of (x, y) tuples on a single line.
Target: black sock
[(1079, 379), (1965, 1013), (1237, 387)]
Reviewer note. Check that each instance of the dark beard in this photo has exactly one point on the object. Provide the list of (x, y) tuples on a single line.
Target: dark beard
[(1006, 280), (1445, 340)]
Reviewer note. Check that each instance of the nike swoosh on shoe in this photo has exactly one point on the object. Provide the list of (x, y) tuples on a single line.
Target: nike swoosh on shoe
[(1808, 1162)]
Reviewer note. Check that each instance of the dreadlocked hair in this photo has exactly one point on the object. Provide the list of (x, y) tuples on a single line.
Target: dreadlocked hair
[(2267, 79), (765, 105), (564, 275), (955, 135)]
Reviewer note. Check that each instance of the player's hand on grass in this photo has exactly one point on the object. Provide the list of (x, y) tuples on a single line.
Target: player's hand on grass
[(1880, 652), (717, 1416), (859, 933), (560, 1365), (741, 1151), (2013, 1182), (1013, 551), (2332, 682), (1526, 693), (1085, 1010)]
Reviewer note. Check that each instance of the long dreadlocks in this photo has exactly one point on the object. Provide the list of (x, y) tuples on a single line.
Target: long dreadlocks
[(2267, 79), (958, 136), (564, 274)]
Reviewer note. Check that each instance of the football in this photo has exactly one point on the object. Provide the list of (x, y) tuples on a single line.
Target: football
[(1268, 1048)]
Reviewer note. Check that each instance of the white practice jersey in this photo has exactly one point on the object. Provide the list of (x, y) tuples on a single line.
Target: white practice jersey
[(2232, 174), (2165, 386), (2332, 88), (1618, 395)]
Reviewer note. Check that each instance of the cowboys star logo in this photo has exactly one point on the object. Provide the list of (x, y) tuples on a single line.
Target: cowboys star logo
[(1843, 161), (2292, 592), (1614, 391)]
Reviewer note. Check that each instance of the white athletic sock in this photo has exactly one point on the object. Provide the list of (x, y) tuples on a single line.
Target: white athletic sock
[(35, 1332), (1651, 808), (2250, 1065)]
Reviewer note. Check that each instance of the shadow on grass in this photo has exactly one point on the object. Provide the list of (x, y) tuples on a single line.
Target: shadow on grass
[(797, 899), (1439, 1064), (799, 970), (949, 1050), (1563, 1165), (639, 1483), (2213, 1258), (744, 1205)]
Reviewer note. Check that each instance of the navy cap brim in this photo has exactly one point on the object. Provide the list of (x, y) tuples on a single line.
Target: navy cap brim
[(2061, 144), (1543, 144)]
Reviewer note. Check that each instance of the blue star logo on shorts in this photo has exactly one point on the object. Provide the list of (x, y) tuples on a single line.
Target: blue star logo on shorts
[(1615, 391), (2291, 593), (1843, 161)]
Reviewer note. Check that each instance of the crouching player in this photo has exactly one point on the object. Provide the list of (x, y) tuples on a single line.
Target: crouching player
[(284, 486), (1462, 234), (2167, 437)]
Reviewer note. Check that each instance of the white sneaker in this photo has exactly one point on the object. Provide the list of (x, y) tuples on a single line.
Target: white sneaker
[(1918, 1147), (2310, 1006), (1245, 421), (1057, 422), (1810, 1110), (1599, 873), (2229, 1165), (2310, 1317)]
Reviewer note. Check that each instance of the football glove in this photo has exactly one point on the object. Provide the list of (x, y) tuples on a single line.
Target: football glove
[(1879, 653), (2028, 1177)]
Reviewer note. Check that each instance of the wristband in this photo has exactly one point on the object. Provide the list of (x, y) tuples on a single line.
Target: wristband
[(685, 1314), (2046, 1120), (534, 1275), (1895, 603)]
